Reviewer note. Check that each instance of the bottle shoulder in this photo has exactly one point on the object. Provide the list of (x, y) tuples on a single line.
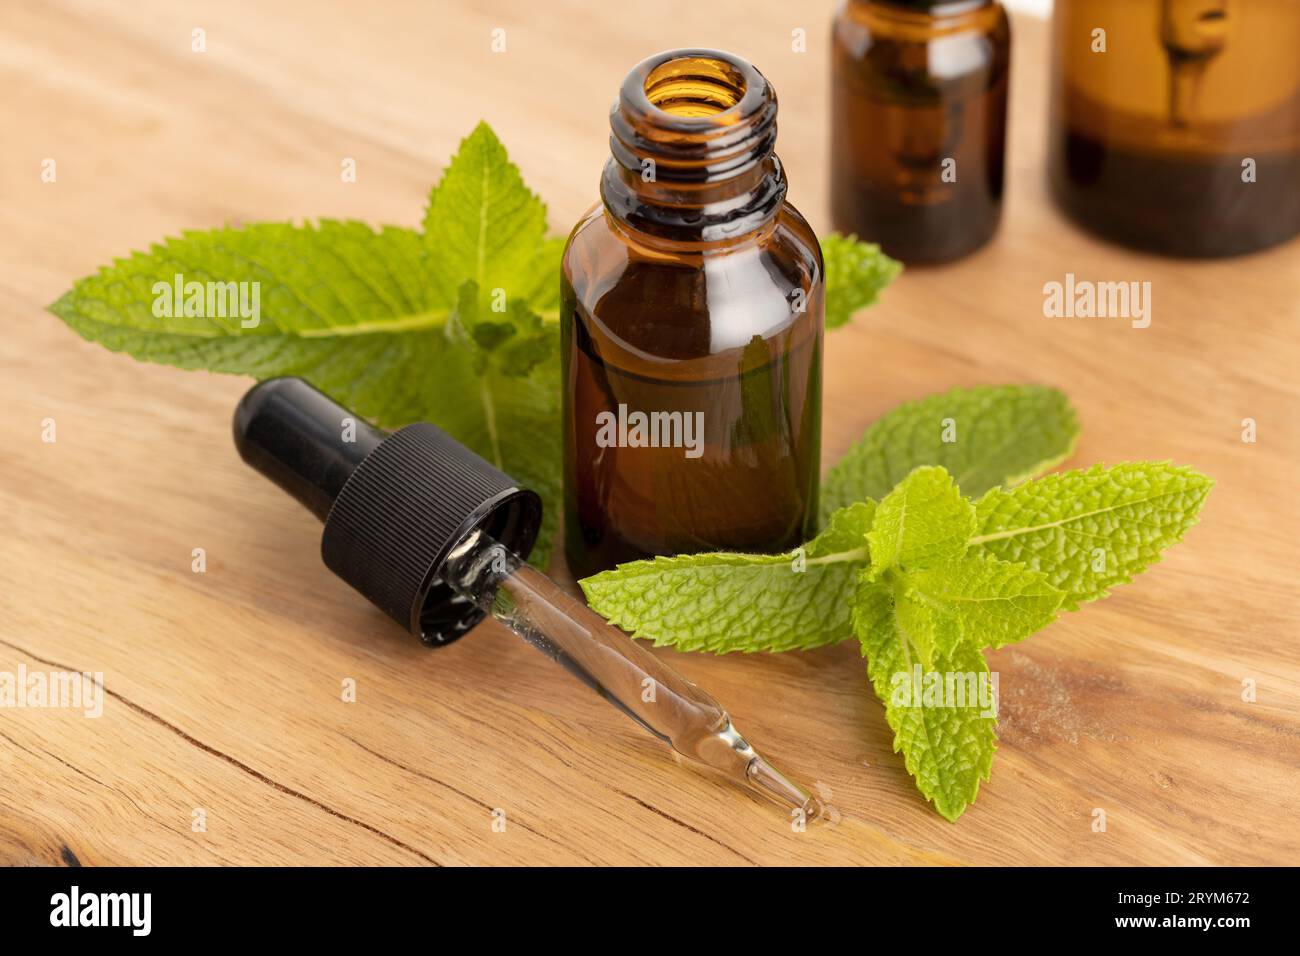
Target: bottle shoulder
[(599, 255), (803, 240), (597, 245), (691, 303)]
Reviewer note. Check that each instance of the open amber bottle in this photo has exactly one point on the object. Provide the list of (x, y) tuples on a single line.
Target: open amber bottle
[(691, 318), (918, 124)]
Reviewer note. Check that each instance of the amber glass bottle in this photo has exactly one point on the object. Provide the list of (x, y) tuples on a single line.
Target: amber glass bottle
[(1176, 123), (918, 124), (691, 318)]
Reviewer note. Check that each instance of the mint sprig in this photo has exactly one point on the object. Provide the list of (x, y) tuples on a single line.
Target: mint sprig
[(927, 578), (455, 324), (935, 579)]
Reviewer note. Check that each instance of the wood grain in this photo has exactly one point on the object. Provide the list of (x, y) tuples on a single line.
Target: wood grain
[(224, 687)]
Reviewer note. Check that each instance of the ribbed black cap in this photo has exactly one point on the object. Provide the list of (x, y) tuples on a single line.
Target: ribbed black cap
[(397, 508)]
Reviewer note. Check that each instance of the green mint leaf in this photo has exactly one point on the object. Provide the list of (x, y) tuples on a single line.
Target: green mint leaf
[(924, 520), (334, 299), (319, 282), (483, 224), (856, 272), (931, 628), (741, 602), (846, 532), (514, 340), (1088, 531), (541, 283), (994, 602), (948, 750), (985, 437)]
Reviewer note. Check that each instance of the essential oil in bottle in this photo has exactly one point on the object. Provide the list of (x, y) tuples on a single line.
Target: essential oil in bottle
[(691, 318), (918, 124), (1176, 123)]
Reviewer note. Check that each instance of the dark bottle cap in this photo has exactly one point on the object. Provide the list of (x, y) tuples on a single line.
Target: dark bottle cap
[(393, 505)]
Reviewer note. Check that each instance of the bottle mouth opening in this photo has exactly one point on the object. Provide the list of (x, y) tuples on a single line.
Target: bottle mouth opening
[(695, 95), (695, 86)]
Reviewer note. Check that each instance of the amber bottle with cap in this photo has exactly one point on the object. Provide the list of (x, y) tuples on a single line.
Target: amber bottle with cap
[(1176, 123), (691, 319), (918, 124)]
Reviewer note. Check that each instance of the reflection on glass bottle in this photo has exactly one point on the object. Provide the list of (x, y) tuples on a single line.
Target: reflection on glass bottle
[(1176, 123), (918, 141), (1193, 32)]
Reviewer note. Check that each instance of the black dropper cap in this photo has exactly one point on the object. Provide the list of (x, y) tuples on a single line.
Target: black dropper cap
[(393, 505)]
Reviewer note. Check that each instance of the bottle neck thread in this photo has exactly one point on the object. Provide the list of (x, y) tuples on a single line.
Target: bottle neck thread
[(692, 143)]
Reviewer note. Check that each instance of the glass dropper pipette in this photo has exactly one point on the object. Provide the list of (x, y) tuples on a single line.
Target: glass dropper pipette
[(438, 538), (650, 692)]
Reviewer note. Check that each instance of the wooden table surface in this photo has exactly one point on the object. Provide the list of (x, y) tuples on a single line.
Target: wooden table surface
[(223, 688)]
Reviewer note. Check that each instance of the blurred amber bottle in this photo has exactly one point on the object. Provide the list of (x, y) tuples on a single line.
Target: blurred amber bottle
[(692, 296), (918, 124), (1176, 123)]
